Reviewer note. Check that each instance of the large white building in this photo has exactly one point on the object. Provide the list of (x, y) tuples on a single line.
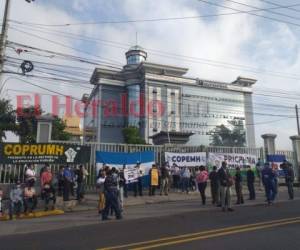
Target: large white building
[(163, 103)]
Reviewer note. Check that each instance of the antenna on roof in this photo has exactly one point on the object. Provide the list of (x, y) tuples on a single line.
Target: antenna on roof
[(136, 38)]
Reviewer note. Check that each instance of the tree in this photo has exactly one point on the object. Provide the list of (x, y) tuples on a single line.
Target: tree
[(27, 125), (7, 118), (132, 136), (58, 130), (231, 135)]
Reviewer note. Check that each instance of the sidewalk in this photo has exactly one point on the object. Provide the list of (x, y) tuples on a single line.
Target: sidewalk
[(91, 200), (175, 204)]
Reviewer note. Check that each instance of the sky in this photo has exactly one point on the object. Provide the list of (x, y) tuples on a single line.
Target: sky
[(267, 50)]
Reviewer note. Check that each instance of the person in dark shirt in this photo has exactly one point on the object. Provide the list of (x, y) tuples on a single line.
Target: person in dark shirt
[(214, 186), (239, 186), (226, 181), (289, 177), (164, 174), (111, 197), (79, 179), (250, 183)]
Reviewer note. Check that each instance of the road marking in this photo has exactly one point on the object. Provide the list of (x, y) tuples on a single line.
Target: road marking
[(176, 242), (201, 234)]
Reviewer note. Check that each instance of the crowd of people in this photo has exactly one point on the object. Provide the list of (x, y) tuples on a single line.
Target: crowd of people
[(24, 195), (113, 186)]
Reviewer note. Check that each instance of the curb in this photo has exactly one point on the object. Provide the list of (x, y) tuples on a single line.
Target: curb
[(38, 214)]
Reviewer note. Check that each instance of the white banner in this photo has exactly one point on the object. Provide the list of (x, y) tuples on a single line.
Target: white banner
[(186, 159), (131, 175), (233, 160)]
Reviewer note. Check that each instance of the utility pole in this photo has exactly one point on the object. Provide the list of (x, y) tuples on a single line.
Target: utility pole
[(297, 117), (3, 38), (4, 34)]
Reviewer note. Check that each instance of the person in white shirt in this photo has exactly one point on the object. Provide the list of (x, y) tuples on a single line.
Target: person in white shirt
[(30, 176)]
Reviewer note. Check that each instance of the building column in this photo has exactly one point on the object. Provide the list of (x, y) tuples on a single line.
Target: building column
[(44, 129), (296, 148), (269, 144)]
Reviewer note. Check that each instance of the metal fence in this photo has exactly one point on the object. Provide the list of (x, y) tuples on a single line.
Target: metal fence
[(10, 173)]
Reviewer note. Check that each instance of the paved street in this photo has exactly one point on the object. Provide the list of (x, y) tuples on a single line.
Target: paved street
[(173, 225)]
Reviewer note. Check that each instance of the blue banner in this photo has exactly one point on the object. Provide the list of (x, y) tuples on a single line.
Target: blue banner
[(124, 158)]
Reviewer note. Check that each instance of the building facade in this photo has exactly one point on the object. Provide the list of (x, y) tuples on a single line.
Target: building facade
[(160, 99)]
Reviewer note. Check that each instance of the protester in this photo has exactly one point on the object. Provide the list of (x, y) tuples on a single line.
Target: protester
[(46, 176), (250, 183), (60, 180), (193, 182), (125, 181), (226, 182), (67, 181), (201, 179), (268, 178), (16, 200), (1, 205), (43, 169), (239, 186), (176, 177), (214, 186), (122, 183), (30, 199), (81, 175), (153, 174), (185, 179), (30, 176), (259, 167), (100, 186), (111, 197), (138, 185), (48, 194), (164, 184), (276, 174), (289, 178)]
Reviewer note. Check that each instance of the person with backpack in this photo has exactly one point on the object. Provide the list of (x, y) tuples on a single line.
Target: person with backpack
[(226, 182), (201, 179)]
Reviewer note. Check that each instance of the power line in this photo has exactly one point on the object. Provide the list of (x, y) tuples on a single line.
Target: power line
[(180, 57), (144, 20), (44, 88), (266, 10), (279, 5), (63, 45), (64, 55), (229, 110), (71, 80), (252, 14)]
